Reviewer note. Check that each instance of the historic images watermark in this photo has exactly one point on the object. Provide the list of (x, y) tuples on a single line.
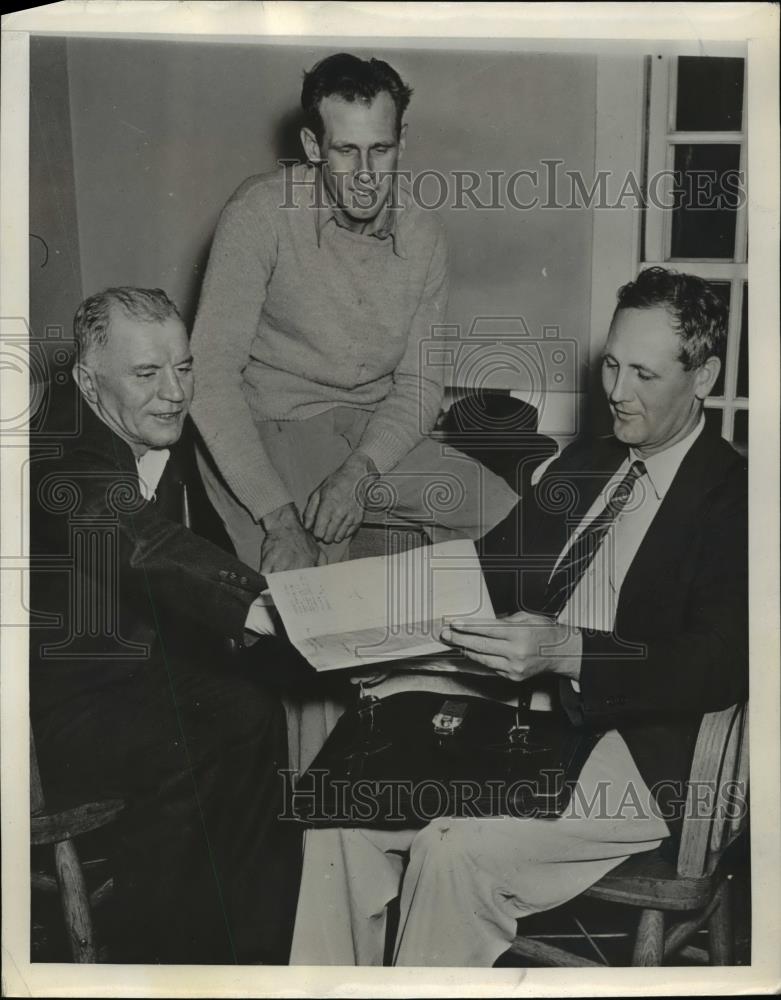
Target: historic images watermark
[(549, 185), (318, 799), (39, 367)]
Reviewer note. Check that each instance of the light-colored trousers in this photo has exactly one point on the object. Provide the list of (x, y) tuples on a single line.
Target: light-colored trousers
[(446, 492), (468, 880), (439, 488)]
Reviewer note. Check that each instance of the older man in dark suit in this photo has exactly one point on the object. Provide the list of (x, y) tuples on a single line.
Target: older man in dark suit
[(133, 691), (625, 578)]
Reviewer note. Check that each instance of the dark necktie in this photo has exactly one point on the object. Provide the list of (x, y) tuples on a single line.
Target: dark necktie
[(581, 552)]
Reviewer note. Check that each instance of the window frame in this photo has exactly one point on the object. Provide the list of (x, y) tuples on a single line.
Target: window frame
[(661, 138)]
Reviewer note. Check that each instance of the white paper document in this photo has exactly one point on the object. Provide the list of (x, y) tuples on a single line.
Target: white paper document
[(382, 608)]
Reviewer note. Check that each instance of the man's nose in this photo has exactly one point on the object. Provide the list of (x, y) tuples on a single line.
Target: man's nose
[(365, 169), (620, 389), (171, 387)]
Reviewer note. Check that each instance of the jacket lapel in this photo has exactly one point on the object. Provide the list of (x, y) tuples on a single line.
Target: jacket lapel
[(661, 556), (99, 438), (560, 499), (575, 487)]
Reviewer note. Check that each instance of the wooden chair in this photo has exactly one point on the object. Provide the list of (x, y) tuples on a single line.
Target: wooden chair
[(697, 887), (60, 829)]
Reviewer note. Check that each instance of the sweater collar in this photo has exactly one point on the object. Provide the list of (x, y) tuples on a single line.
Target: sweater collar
[(326, 212)]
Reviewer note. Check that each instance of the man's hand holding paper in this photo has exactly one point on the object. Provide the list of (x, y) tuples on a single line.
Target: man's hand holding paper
[(520, 646)]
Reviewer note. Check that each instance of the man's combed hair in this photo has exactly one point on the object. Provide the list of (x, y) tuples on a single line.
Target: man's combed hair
[(699, 315), (91, 322), (353, 79)]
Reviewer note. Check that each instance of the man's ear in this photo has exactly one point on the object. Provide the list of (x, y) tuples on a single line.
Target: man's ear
[(706, 376), (84, 377), (311, 145)]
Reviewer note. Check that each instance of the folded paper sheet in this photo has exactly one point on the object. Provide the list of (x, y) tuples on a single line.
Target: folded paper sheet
[(382, 608)]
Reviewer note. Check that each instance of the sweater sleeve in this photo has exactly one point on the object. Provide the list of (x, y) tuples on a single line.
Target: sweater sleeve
[(411, 408), (241, 263)]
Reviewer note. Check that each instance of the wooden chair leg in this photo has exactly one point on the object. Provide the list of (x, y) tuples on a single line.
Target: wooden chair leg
[(548, 954), (720, 928), (649, 943), (75, 902)]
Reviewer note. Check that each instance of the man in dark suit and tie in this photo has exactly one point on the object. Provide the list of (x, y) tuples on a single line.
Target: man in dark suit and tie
[(133, 692), (624, 577)]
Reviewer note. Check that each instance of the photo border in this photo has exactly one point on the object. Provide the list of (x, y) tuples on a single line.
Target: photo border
[(696, 28)]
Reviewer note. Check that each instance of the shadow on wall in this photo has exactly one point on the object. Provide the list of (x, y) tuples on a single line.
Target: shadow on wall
[(188, 306), (286, 147), (287, 136)]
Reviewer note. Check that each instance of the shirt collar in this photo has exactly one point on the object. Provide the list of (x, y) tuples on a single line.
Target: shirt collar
[(325, 212), (151, 467), (663, 466)]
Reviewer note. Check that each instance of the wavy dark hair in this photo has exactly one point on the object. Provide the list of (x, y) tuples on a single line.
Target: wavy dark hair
[(92, 319), (698, 314), (353, 79)]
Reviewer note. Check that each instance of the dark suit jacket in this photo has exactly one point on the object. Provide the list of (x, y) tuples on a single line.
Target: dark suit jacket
[(680, 644), (118, 584)]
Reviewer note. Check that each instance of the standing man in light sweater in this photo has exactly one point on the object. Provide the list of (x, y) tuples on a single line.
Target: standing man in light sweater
[(323, 285)]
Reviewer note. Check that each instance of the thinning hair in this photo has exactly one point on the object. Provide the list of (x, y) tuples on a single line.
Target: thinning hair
[(699, 316), (352, 79), (93, 317)]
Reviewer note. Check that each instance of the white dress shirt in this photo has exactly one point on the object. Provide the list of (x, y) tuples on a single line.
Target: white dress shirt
[(151, 467), (593, 602)]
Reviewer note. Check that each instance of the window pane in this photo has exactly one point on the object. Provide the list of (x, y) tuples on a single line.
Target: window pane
[(742, 387), (710, 94), (705, 200), (740, 436), (723, 289)]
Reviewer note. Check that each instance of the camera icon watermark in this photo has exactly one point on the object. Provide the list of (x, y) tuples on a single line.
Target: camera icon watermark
[(35, 371), (502, 353)]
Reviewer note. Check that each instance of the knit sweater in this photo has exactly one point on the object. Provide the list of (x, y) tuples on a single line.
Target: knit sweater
[(298, 315)]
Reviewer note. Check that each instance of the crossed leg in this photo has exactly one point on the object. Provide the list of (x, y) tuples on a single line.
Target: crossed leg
[(468, 880)]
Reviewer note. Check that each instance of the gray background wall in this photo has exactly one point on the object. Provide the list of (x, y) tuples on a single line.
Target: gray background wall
[(136, 145), (55, 260)]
